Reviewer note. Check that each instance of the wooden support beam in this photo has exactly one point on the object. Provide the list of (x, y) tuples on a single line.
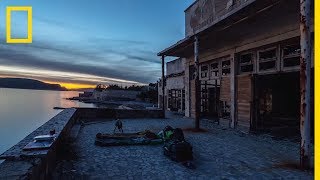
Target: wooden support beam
[(233, 90), (163, 89), (197, 84)]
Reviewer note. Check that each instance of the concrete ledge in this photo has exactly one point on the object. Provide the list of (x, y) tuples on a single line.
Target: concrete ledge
[(21, 164), (39, 164)]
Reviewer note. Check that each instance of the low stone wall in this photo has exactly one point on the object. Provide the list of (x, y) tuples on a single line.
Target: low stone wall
[(20, 164), (38, 164)]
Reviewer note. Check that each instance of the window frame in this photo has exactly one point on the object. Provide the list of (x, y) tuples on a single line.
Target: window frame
[(206, 71), (276, 60), (253, 63), (218, 68), (229, 67), (283, 57)]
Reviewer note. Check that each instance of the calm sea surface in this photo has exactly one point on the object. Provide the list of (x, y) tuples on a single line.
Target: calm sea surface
[(22, 111)]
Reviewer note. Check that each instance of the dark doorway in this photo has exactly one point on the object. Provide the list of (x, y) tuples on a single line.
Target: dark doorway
[(277, 102)]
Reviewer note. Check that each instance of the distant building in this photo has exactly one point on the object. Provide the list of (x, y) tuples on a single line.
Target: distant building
[(174, 86), (107, 94)]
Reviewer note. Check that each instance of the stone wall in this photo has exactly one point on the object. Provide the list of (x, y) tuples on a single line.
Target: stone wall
[(175, 66), (174, 83), (20, 164)]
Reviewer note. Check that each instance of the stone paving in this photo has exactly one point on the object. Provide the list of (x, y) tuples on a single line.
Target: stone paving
[(219, 153)]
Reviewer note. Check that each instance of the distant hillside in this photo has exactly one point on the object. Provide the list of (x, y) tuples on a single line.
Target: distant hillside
[(21, 83)]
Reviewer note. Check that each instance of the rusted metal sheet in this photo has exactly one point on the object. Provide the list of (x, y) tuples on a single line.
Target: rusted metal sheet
[(305, 88)]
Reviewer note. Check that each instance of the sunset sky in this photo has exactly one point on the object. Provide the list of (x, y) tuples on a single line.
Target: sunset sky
[(80, 43)]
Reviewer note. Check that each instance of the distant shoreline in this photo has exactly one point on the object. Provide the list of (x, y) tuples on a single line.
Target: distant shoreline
[(23, 83)]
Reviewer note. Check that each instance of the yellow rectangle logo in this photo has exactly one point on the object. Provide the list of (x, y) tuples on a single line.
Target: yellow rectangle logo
[(28, 9)]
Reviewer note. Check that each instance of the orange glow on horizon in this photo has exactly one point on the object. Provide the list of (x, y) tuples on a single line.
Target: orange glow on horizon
[(73, 85)]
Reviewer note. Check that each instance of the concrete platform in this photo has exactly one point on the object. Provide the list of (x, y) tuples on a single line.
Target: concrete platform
[(219, 153)]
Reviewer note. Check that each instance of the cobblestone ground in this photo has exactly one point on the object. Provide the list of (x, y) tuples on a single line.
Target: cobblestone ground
[(219, 154)]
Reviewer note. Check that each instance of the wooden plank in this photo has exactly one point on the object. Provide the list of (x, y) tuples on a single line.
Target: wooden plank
[(225, 89), (244, 100)]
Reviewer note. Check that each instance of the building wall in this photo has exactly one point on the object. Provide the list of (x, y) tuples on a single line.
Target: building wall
[(271, 28), (204, 13), (175, 79), (175, 66), (175, 82)]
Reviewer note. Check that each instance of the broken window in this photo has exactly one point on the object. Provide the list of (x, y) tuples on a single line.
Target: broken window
[(267, 59), (225, 67), (214, 69), (204, 71), (291, 56), (246, 63)]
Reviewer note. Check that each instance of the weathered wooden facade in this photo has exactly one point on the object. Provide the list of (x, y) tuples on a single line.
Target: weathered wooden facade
[(174, 90), (249, 61)]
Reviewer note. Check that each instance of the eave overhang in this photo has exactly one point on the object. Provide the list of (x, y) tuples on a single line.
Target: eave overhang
[(184, 47)]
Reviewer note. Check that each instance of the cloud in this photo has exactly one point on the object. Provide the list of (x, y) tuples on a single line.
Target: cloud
[(111, 58), (17, 58)]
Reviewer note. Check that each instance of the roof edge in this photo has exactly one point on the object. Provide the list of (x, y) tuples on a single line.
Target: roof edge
[(162, 53), (191, 5)]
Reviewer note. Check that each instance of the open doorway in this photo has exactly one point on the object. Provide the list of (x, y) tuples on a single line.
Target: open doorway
[(277, 102)]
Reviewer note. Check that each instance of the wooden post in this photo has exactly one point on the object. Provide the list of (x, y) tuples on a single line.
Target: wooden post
[(305, 75), (163, 89), (233, 99), (196, 82), (181, 97)]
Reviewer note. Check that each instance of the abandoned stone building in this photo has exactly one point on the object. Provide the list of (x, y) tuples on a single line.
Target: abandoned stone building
[(174, 86), (248, 54)]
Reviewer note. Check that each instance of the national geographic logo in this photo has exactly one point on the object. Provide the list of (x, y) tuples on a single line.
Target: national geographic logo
[(11, 40)]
